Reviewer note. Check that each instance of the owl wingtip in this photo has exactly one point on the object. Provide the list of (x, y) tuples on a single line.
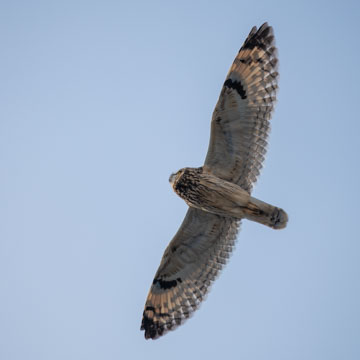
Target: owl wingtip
[(151, 331)]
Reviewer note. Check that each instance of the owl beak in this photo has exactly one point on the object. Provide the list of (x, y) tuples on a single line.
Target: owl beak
[(172, 178)]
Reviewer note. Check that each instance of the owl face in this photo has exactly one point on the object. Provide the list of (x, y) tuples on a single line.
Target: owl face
[(175, 176)]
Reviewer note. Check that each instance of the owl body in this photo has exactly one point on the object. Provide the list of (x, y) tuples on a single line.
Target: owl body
[(203, 190)]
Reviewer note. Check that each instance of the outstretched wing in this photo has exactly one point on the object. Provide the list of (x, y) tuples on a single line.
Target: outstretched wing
[(240, 122), (189, 265)]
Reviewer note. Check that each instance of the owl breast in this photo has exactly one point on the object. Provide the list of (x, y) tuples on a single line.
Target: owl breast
[(207, 192), (188, 186)]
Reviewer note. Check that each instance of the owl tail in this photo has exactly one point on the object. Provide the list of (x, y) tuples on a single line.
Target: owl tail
[(265, 214)]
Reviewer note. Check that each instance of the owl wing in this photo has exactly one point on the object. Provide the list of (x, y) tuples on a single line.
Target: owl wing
[(240, 122), (188, 267)]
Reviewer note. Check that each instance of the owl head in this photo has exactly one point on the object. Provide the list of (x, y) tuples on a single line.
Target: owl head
[(174, 177)]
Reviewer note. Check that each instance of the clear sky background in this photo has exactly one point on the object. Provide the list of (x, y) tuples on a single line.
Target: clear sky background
[(99, 102)]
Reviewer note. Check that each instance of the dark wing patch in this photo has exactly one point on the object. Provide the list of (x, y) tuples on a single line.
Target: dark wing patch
[(237, 86), (163, 284)]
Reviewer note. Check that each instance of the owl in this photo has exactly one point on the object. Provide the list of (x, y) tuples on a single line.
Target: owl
[(219, 192)]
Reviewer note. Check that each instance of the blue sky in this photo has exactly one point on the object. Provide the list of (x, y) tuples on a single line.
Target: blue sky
[(99, 103)]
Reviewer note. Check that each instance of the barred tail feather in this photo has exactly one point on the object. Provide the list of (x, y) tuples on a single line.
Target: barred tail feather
[(266, 214)]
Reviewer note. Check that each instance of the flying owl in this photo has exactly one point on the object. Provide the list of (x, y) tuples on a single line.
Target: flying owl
[(219, 192)]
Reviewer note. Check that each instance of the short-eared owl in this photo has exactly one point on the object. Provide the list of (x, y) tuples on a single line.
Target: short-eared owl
[(218, 193)]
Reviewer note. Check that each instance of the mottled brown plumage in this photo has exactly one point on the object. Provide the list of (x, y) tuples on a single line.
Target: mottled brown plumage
[(219, 193), (202, 190)]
